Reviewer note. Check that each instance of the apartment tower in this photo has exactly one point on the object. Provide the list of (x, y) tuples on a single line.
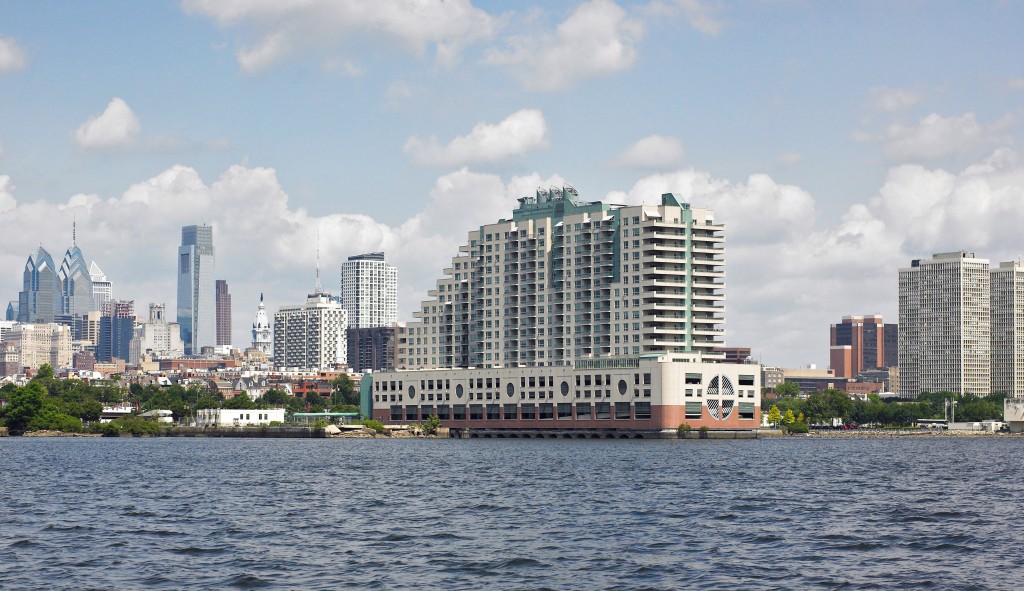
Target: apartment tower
[(369, 291), (1007, 310)]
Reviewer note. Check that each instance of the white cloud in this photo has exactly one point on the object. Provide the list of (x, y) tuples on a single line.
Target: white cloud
[(597, 39), (699, 14), (289, 27), (934, 136), (888, 99), (343, 67), (117, 126), (12, 56), (789, 159), (7, 200), (519, 133), (653, 152)]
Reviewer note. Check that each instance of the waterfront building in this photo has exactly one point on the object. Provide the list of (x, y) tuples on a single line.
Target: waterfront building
[(223, 298), (197, 311), (374, 349), (859, 343), (262, 335), (576, 315), (117, 327), (39, 299), (311, 335), (369, 291), (945, 325), (102, 288), (157, 337), (565, 280), (41, 343), (1007, 317), (231, 417)]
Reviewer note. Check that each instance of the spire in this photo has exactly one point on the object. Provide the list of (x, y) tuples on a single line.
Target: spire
[(74, 231), (319, 289)]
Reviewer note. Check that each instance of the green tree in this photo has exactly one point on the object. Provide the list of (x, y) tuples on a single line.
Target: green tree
[(774, 416), (788, 418), (787, 389), (23, 405), (45, 372), (240, 401), (275, 397), (432, 424), (343, 391)]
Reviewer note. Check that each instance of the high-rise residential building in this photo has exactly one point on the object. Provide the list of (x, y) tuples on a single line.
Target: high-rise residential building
[(41, 343), (40, 298), (223, 313), (262, 334), (862, 344), (1007, 310), (369, 291), (197, 308), (156, 337), (102, 288), (311, 335), (945, 325), (374, 349), (575, 315), (565, 280), (117, 327)]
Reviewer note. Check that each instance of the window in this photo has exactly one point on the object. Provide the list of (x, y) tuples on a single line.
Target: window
[(747, 410), (693, 410), (396, 413), (623, 387), (604, 410), (583, 411), (746, 380), (564, 411), (622, 410), (693, 378), (493, 412), (547, 411), (528, 412), (411, 413), (476, 412), (459, 412), (510, 412), (444, 412), (642, 411)]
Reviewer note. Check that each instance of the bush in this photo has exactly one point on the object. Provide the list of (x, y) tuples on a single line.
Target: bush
[(129, 424), (683, 430), (704, 430), (375, 425), (431, 426), (795, 428)]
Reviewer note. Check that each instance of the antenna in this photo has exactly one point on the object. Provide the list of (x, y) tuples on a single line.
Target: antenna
[(319, 288), (74, 231)]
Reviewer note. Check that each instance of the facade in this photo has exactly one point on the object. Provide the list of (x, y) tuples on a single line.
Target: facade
[(945, 325), (223, 300), (311, 335), (197, 311), (862, 343), (230, 417), (39, 299), (102, 288), (262, 335), (156, 337), (374, 349), (117, 327), (1007, 317), (734, 354), (644, 393), (41, 343), (566, 281), (369, 291)]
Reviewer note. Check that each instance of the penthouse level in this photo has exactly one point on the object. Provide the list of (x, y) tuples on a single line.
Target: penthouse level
[(643, 393)]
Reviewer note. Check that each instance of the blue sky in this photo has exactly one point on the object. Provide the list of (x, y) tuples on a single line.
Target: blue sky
[(835, 140)]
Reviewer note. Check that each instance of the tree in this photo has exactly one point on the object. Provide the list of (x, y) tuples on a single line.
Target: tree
[(432, 425), (788, 419), (275, 397), (45, 372), (801, 419), (241, 401), (787, 389), (774, 416), (344, 391), (23, 406)]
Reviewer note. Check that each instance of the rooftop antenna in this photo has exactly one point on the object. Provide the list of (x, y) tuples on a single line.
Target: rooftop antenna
[(318, 288), (74, 230)]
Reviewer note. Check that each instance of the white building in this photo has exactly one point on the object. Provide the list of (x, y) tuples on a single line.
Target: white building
[(197, 309), (1007, 310), (311, 336), (233, 417), (262, 335), (102, 288), (566, 280), (945, 325), (156, 337), (369, 291), (41, 343)]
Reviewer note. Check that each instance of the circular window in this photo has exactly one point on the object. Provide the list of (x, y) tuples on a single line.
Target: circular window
[(412, 392), (458, 390), (623, 386), (565, 388), (510, 389)]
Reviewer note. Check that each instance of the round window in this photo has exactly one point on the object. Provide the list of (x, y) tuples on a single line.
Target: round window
[(565, 388), (412, 392), (510, 389), (458, 390), (623, 387)]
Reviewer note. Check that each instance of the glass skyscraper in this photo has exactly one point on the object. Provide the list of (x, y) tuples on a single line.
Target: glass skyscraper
[(40, 299), (197, 309)]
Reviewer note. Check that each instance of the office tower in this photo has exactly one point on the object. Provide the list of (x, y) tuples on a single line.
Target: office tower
[(117, 327), (857, 344), (262, 336), (41, 343), (75, 282), (102, 288), (86, 331), (369, 291), (39, 300), (156, 337), (223, 313), (12, 311), (197, 310), (311, 335), (1007, 309), (565, 280), (945, 326)]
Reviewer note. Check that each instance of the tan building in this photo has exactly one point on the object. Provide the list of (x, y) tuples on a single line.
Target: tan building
[(41, 343)]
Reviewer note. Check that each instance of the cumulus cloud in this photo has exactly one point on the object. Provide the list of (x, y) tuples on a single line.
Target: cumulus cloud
[(884, 98), (117, 126), (935, 136), (597, 39), (7, 200), (288, 27), (789, 159), (700, 15), (12, 56), (653, 152), (519, 133)]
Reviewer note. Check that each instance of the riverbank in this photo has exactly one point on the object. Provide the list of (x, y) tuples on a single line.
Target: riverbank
[(892, 433)]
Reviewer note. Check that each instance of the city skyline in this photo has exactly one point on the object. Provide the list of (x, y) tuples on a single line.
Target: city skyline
[(829, 167)]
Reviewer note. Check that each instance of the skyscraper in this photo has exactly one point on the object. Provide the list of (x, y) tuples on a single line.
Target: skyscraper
[(369, 291), (102, 288), (311, 335), (40, 299), (1007, 284), (75, 283), (197, 309), (223, 313), (945, 325), (861, 343), (117, 327)]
